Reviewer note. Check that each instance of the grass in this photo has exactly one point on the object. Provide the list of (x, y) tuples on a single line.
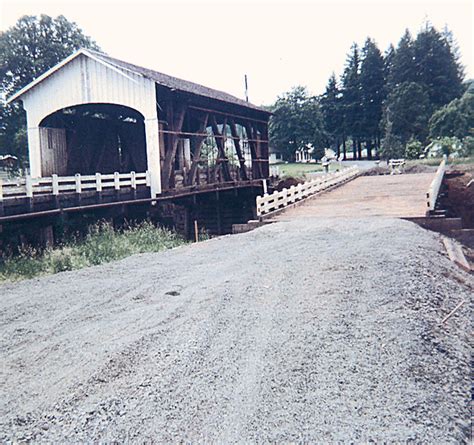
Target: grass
[(296, 170), (102, 244)]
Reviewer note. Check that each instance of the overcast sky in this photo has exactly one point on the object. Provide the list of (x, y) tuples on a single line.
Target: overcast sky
[(278, 44)]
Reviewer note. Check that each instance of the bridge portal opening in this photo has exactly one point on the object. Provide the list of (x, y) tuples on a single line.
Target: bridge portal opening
[(93, 138)]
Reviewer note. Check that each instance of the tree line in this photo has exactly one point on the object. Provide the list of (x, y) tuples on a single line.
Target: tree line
[(383, 104)]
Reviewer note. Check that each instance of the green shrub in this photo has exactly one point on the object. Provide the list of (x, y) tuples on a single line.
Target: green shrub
[(413, 149), (102, 244), (449, 146)]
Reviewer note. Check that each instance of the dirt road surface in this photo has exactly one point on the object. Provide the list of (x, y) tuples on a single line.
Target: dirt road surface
[(397, 196), (311, 330)]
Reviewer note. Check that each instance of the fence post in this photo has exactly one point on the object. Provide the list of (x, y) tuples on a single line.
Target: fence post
[(29, 191), (116, 181), (148, 179), (98, 186), (29, 186), (55, 188), (1, 197), (98, 182), (78, 182), (133, 183), (55, 184)]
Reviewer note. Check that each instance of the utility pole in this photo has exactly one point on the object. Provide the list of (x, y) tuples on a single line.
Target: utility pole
[(246, 88)]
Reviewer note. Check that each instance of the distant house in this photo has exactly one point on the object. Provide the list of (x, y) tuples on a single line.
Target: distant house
[(305, 154)]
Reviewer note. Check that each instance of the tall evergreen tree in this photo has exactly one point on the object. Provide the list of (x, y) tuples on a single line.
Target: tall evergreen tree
[(352, 99), (402, 65), (407, 112), (437, 67), (372, 81), (331, 107)]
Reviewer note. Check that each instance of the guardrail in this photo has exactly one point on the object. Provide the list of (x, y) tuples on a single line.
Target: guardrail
[(433, 191), (276, 200), (28, 187)]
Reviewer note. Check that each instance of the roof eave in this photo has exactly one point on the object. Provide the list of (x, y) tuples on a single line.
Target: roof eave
[(45, 75)]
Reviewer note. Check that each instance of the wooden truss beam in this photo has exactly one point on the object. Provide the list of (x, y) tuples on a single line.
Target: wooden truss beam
[(238, 149), (197, 143), (176, 122), (253, 136), (223, 161)]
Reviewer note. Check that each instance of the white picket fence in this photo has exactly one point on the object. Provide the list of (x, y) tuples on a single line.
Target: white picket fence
[(28, 187), (433, 191), (276, 200)]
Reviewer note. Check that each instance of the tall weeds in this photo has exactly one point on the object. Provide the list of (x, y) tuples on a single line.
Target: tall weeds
[(102, 244)]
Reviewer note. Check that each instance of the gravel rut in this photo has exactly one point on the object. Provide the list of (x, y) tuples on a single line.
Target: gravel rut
[(312, 330)]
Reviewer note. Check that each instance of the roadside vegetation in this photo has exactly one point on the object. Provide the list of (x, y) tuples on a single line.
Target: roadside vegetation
[(102, 244), (296, 170)]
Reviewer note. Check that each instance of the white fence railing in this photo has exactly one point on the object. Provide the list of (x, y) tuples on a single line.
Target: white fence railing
[(276, 200), (28, 187), (433, 191)]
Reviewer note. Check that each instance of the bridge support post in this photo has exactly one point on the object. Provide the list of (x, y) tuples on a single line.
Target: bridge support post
[(153, 155), (34, 151)]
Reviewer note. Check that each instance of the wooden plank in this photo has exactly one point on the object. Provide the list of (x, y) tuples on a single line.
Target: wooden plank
[(433, 191), (455, 253), (458, 306)]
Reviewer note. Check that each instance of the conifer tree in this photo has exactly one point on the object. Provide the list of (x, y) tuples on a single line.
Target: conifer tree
[(332, 110), (402, 64), (352, 99), (372, 81), (437, 67)]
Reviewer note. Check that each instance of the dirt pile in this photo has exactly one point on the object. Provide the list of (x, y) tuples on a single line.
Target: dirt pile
[(460, 198)]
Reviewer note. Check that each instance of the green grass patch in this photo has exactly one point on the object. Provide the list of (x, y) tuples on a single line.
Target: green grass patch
[(102, 244), (297, 170), (436, 161)]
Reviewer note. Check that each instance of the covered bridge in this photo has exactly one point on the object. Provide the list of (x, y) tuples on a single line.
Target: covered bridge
[(92, 113)]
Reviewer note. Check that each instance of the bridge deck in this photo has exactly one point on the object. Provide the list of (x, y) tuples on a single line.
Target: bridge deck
[(399, 196)]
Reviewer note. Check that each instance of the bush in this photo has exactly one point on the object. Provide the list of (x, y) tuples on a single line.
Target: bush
[(391, 147), (449, 146), (468, 144), (102, 244), (413, 149)]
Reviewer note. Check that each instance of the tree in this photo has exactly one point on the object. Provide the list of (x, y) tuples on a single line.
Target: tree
[(352, 98), (402, 64), (372, 82), (407, 112), (27, 49), (297, 121), (437, 67), (455, 119), (391, 146), (331, 107)]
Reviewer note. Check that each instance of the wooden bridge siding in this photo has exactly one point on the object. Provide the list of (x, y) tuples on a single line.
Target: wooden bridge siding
[(398, 196)]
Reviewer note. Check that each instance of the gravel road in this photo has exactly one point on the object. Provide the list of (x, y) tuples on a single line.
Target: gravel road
[(312, 330)]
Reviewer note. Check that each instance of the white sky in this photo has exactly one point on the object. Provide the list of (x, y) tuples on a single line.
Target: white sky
[(279, 44)]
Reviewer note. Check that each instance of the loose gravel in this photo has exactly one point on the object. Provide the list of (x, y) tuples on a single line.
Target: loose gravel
[(313, 330)]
